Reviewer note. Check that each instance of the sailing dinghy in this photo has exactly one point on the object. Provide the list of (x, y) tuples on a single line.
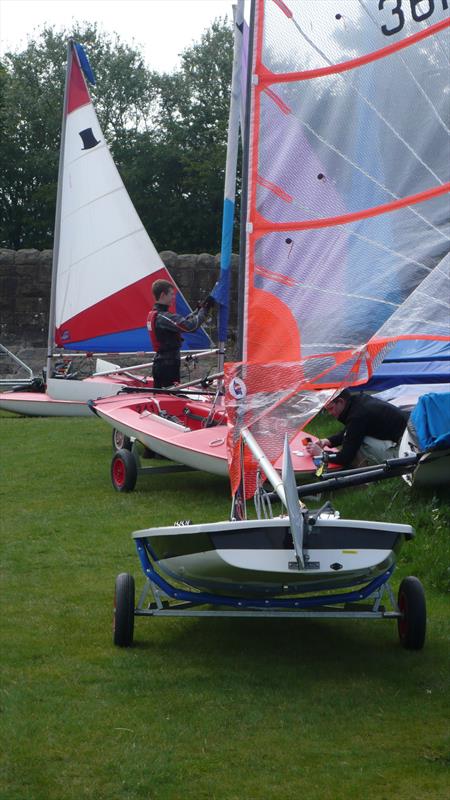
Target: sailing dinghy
[(346, 201), (104, 264), (178, 428), (345, 216)]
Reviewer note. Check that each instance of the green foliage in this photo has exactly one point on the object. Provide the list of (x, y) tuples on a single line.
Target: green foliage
[(167, 134), (199, 709), (178, 171)]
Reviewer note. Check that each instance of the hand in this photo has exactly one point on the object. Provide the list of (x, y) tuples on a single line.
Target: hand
[(314, 449)]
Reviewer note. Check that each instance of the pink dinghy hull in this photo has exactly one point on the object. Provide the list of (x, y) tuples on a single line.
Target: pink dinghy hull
[(40, 404), (67, 398), (173, 435)]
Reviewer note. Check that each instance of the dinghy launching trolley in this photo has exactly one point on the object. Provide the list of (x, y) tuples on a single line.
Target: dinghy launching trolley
[(209, 571), (300, 564), (160, 599)]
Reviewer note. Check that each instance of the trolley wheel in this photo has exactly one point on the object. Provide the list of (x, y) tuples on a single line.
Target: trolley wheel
[(413, 622), (123, 471), (120, 441), (123, 626)]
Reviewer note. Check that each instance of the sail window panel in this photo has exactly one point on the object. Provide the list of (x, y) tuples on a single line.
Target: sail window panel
[(304, 35), (314, 164), (342, 283)]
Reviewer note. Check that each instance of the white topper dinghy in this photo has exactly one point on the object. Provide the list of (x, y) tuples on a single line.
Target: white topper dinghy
[(104, 265)]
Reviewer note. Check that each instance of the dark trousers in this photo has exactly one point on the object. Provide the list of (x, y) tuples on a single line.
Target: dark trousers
[(166, 371)]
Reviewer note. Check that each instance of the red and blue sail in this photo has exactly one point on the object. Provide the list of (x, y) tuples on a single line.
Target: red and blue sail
[(106, 262)]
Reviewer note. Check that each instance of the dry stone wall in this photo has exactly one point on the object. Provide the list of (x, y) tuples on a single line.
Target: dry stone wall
[(25, 277)]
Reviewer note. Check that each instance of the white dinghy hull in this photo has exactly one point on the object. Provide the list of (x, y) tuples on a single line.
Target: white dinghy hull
[(257, 558)]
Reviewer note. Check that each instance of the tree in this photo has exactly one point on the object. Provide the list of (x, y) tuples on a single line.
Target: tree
[(167, 134), (32, 98), (176, 174)]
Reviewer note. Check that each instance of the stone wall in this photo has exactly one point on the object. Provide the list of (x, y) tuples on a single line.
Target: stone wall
[(25, 292)]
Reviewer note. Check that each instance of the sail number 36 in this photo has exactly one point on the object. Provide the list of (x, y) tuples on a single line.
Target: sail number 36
[(419, 9)]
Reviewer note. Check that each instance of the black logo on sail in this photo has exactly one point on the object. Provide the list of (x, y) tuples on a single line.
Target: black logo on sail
[(88, 139)]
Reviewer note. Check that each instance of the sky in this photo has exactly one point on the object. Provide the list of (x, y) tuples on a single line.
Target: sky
[(163, 28)]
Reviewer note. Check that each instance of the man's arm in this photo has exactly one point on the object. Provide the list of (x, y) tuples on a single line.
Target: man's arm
[(352, 440), (175, 322), (337, 438)]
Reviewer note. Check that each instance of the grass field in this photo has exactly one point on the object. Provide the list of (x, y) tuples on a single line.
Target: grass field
[(198, 709)]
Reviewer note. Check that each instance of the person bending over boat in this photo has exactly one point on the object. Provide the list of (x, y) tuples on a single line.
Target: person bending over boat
[(372, 433), (166, 329)]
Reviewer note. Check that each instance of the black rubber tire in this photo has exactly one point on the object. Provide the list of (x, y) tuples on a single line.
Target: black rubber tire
[(123, 625), (413, 622), (120, 441), (123, 471)]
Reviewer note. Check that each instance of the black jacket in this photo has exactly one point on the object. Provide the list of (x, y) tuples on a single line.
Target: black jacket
[(365, 415), (166, 329)]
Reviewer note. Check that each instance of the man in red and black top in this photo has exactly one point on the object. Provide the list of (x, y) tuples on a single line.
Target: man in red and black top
[(166, 329), (372, 432)]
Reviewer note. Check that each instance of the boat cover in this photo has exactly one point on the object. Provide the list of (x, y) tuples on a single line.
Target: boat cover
[(395, 373), (431, 420), (427, 350)]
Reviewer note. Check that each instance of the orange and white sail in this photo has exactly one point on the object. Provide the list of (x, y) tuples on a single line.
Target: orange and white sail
[(347, 207)]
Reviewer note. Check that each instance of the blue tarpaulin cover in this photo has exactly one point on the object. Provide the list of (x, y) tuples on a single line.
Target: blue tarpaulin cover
[(431, 419), (395, 373), (419, 350)]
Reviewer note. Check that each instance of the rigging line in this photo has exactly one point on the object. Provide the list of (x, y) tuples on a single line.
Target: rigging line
[(438, 266), (438, 42), (436, 300), (413, 318), (374, 242), (410, 72), (371, 106), (366, 174), (334, 346), (341, 294)]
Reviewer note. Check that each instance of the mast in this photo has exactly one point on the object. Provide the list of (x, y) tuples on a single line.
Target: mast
[(244, 190), (56, 237), (230, 183)]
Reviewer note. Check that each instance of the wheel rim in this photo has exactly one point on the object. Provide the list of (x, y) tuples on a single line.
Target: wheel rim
[(119, 472), (403, 622), (119, 438)]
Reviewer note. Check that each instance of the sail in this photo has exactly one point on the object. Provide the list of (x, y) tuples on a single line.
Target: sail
[(105, 261), (347, 215), (221, 290)]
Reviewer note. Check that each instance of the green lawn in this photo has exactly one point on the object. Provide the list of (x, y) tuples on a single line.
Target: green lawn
[(198, 709)]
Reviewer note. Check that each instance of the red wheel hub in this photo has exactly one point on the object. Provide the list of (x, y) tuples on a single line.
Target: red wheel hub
[(119, 472)]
